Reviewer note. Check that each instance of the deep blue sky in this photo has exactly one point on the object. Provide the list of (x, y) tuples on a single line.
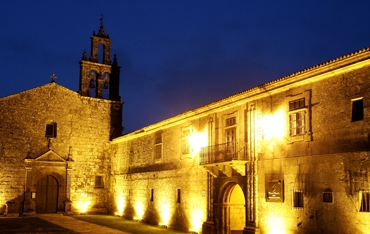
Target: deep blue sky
[(176, 55)]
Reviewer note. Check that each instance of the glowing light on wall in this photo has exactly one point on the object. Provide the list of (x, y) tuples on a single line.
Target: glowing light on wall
[(165, 214), (197, 140), (275, 224), (139, 209), (272, 126), (120, 205), (83, 203), (196, 220)]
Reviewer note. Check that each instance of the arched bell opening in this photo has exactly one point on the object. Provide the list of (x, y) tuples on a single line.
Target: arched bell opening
[(92, 81), (105, 85)]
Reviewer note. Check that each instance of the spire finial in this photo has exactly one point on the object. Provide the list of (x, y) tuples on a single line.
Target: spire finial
[(101, 19), (115, 60), (101, 29), (84, 56), (53, 76)]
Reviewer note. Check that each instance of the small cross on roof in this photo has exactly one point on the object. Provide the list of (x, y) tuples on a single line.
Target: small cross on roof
[(53, 76)]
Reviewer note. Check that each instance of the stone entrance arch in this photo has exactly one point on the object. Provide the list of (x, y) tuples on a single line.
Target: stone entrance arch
[(47, 195), (232, 215), (47, 185)]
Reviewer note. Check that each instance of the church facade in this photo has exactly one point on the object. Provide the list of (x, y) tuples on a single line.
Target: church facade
[(288, 156), (55, 143)]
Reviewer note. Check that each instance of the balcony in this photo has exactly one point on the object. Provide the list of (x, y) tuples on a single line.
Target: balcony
[(224, 158)]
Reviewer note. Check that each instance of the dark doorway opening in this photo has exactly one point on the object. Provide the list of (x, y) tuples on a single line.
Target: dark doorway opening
[(47, 195)]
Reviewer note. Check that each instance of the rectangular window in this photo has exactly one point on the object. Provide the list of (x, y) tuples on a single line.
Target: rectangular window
[(365, 202), (297, 123), (185, 144), (152, 195), (327, 197), (99, 182), (230, 121), (178, 196), (357, 110), (230, 135), (298, 118), (51, 130), (158, 146), (298, 199), (296, 104)]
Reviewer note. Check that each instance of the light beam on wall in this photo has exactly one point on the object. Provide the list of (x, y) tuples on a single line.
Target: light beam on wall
[(196, 220), (272, 126), (83, 203), (120, 205), (165, 213), (275, 224), (139, 209), (197, 140)]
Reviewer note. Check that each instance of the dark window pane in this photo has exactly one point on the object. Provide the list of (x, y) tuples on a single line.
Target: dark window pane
[(357, 110)]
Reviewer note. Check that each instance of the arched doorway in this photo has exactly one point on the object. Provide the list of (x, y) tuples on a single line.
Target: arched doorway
[(233, 210), (47, 195)]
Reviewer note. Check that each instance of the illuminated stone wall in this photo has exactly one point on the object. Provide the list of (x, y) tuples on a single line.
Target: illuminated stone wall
[(335, 159), (330, 158), (170, 190), (83, 132)]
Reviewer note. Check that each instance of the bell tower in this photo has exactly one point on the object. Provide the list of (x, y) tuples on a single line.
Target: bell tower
[(97, 76)]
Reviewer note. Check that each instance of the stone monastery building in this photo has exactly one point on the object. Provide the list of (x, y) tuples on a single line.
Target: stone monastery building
[(288, 156)]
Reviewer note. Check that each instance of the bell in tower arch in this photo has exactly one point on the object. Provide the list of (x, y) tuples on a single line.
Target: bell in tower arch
[(92, 84), (105, 86)]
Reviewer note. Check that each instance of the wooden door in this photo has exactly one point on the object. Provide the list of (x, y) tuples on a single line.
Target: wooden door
[(47, 195)]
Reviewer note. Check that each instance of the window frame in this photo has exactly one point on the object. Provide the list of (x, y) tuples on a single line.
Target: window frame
[(357, 111), (185, 141), (364, 201), (152, 195), (99, 178), (299, 104), (158, 146), (299, 123), (51, 130), (230, 127), (178, 200), (327, 196), (298, 199)]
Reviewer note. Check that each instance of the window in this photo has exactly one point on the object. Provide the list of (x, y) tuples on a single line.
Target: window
[(99, 182), (297, 123), (178, 196), (365, 202), (185, 144), (152, 195), (158, 146), (51, 130), (296, 104), (230, 130), (327, 196), (357, 109), (297, 199), (298, 117), (230, 121)]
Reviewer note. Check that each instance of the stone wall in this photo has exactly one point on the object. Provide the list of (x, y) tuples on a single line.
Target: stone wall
[(83, 133), (336, 160), (170, 190), (330, 157)]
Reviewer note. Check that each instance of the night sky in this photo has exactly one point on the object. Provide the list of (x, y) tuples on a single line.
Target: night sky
[(176, 55)]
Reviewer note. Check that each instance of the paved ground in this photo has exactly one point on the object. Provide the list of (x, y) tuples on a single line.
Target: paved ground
[(78, 226), (57, 223), (53, 223)]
